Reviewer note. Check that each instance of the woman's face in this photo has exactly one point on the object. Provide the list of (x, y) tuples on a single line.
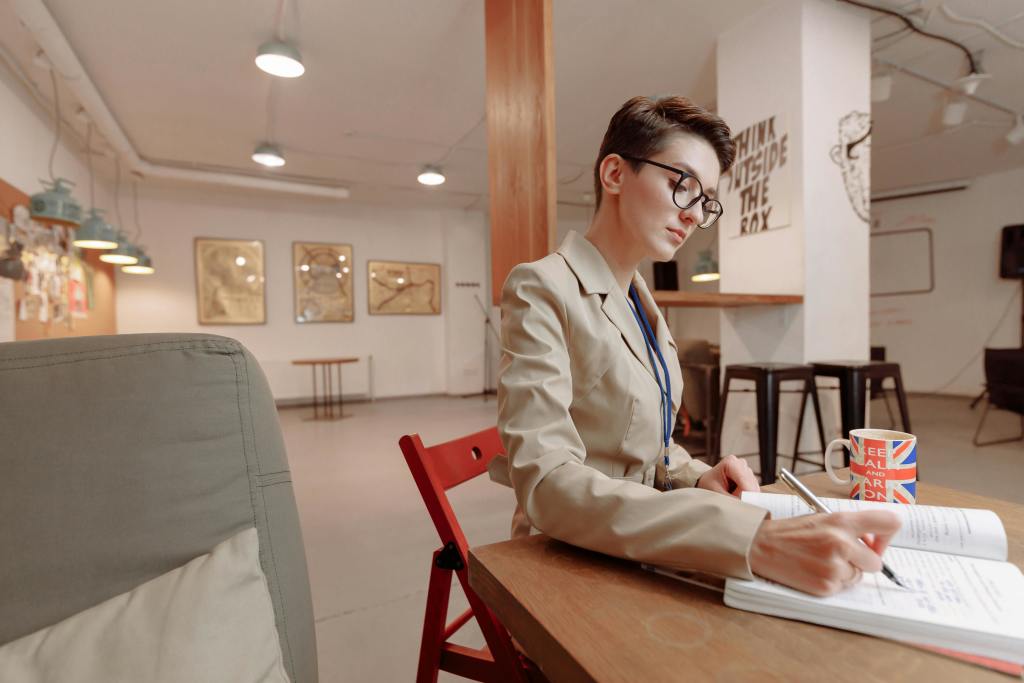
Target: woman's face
[(656, 225)]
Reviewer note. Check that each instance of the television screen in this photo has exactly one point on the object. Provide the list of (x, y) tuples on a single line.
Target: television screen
[(1011, 261)]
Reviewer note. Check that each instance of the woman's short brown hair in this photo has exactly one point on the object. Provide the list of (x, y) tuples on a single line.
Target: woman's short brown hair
[(643, 126)]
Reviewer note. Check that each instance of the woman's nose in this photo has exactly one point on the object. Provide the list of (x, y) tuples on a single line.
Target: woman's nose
[(692, 216)]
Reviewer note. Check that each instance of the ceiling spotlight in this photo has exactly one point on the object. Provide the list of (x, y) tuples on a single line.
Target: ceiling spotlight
[(431, 175), (268, 155), (969, 84), (881, 87), (954, 112), (278, 58), (1016, 134)]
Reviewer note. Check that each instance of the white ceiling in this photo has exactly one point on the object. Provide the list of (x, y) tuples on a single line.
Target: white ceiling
[(394, 84)]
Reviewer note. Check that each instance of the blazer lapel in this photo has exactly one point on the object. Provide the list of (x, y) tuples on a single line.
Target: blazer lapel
[(618, 310), (595, 277)]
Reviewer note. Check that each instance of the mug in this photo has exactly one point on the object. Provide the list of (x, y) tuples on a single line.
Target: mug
[(883, 465)]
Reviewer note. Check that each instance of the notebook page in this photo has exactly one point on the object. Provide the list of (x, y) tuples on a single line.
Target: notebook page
[(960, 531), (948, 591)]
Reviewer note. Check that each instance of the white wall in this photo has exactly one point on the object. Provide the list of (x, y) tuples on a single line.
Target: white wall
[(937, 338), (806, 62), (412, 355)]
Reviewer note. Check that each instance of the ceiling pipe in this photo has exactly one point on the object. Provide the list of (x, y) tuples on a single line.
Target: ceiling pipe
[(44, 30)]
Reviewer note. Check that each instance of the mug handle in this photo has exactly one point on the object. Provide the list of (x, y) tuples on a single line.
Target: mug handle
[(828, 460)]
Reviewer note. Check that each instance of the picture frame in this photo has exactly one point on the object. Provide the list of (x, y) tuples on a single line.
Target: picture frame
[(403, 288), (322, 277), (230, 281)]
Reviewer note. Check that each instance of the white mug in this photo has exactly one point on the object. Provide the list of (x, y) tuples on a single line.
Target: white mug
[(883, 465)]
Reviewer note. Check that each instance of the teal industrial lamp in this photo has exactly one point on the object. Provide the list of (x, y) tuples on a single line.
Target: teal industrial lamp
[(706, 269), (55, 203), (124, 255), (95, 233)]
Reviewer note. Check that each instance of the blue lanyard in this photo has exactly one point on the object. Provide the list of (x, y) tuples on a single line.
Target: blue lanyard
[(665, 388)]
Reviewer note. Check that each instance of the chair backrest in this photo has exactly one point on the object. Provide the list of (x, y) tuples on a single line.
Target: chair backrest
[(124, 457), (443, 466), (694, 354), (1004, 377)]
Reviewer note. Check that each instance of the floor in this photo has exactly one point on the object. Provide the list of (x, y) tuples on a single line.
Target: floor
[(369, 540)]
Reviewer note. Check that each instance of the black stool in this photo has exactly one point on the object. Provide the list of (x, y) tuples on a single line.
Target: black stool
[(766, 378), (853, 377)]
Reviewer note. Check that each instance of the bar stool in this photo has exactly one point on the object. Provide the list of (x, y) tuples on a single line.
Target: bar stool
[(766, 378), (853, 377)]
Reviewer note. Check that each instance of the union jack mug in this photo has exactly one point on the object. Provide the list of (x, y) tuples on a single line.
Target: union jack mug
[(883, 465)]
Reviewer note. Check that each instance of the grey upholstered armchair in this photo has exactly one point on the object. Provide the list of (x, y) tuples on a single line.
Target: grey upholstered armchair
[(122, 458)]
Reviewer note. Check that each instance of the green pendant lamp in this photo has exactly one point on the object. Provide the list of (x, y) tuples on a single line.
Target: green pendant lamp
[(124, 255), (707, 268), (143, 267), (95, 233), (55, 203)]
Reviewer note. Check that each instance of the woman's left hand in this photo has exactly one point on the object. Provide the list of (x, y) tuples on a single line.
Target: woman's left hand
[(730, 476)]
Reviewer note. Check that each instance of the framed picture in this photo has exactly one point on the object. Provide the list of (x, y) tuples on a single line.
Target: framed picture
[(230, 282), (322, 274), (398, 288)]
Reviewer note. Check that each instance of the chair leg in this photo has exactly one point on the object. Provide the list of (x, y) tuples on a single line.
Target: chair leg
[(767, 425), (981, 423), (885, 398), (438, 593), (721, 418), (901, 399), (817, 418), (799, 426)]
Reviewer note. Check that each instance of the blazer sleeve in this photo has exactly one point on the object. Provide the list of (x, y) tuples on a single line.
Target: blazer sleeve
[(683, 470), (685, 528)]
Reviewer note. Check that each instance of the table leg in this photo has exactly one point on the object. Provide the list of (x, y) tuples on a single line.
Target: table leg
[(341, 408), (767, 425), (316, 414), (329, 394)]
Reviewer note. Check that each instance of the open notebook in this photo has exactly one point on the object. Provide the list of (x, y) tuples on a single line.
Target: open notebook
[(963, 594)]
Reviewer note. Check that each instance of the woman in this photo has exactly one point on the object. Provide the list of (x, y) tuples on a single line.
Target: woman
[(590, 383)]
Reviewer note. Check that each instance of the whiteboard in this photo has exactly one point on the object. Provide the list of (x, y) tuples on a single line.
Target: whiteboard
[(902, 262)]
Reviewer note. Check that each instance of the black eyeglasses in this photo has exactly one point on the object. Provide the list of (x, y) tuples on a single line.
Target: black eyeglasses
[(688, 191)]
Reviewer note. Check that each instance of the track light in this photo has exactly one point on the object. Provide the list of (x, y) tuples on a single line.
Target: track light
[(268, 155), (281, 59), (431, 175), (969, 84), (1016, 134), (954, 112)]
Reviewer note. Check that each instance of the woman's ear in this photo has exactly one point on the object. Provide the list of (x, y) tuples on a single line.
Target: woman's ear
[(611, 171)]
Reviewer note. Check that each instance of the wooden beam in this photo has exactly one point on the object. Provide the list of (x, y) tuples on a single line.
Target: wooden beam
[(520, 133)]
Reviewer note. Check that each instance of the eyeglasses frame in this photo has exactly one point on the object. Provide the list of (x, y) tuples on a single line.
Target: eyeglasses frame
[(683, 175)]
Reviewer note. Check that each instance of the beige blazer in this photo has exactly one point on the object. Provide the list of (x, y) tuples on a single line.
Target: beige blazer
[(579, 416)]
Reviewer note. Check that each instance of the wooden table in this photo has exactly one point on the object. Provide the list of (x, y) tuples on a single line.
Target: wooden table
[(673, 299), (583, 616), (323, 407)]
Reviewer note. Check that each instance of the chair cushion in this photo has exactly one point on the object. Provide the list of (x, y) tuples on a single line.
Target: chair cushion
[(210, 620)]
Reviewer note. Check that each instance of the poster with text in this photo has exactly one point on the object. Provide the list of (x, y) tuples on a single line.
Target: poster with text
[(757, 191)]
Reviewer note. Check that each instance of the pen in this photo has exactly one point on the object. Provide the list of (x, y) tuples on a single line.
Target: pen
[(805, 494)]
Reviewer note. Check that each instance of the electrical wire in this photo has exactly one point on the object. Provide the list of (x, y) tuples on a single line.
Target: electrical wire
[(910, 24), (987, 341), (117, 191), (88, 157), (56, 123), (135, 205)]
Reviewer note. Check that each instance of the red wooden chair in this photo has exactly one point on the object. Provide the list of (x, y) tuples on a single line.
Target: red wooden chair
[(437, 469)]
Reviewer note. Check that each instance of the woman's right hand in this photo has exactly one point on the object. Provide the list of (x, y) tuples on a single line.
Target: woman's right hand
[(820, 554)]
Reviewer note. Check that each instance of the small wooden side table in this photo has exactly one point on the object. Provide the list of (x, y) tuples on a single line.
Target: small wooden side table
[(324, 406)]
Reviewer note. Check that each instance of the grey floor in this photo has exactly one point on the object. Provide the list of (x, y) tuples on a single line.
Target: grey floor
[(369, 540)]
